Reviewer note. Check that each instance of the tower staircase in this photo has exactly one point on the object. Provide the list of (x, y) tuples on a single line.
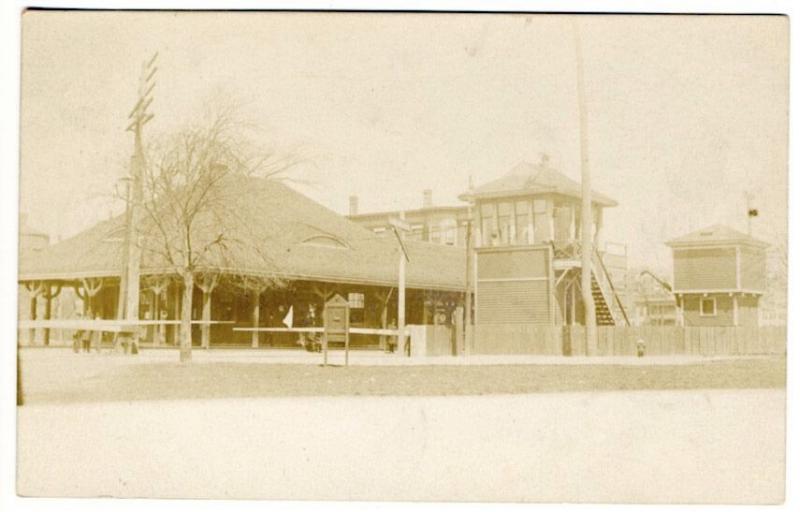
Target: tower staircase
[(603, 313), (608, 307)]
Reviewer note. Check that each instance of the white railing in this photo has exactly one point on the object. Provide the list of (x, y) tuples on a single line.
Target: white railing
[(610, 295)]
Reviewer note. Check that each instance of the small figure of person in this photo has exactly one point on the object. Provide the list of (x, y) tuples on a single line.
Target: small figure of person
[(97, 336), (77, 335), (86, 340), (310, 342), (161, 330)]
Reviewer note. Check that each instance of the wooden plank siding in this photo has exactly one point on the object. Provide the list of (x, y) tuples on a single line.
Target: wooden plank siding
[(513, 302), (723, 316), (512, 262), (752, 268), (705, 269), (748, 310), (513, 285)]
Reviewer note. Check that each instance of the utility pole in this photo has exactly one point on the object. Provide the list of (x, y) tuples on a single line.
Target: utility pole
[(587, 220), (468, 311), (399, 227), (139, 116), (467, 290)]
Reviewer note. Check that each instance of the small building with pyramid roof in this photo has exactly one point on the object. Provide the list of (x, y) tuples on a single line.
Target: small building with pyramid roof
[(719, 276)]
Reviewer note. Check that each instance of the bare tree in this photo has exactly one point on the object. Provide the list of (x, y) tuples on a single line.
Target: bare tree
[(188, 211)]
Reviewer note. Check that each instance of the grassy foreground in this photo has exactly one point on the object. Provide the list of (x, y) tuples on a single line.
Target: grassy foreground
[(168, 381)]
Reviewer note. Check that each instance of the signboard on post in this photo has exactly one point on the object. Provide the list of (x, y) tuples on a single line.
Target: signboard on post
[(400, 224), (337, 326)]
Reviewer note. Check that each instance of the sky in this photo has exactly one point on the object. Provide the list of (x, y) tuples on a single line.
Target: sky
[(686, 114)]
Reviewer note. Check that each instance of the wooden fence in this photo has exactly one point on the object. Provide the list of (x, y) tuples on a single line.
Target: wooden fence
[(621, 341), (515, 339)]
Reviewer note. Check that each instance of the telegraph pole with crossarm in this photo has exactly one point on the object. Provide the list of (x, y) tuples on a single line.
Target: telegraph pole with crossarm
[(139, 116)]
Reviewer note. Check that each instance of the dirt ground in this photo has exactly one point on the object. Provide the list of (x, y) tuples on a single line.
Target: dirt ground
[(677, 446), (702, 431), (60, 376)]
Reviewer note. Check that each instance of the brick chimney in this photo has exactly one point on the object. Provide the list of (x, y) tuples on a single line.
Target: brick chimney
[(427, 198), (353, 205)]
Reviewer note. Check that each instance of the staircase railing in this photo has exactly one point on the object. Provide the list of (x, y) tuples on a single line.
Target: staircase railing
[(566, 249), (572, 250), (607, 285)]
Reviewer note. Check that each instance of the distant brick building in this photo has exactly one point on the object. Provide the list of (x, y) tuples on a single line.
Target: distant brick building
[(446, 225), (719, 277)]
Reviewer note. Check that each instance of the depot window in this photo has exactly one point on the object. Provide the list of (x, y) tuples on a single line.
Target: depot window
[(356, 300), (708, 307)]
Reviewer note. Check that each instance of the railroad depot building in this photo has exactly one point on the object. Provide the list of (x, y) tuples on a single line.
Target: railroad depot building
[(293, 254), (515, 241), (719, 277)]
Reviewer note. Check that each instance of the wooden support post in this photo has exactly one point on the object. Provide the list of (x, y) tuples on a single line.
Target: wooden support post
[(496, 235), (36, 288), (152, 313), (530, 223), (551, 285), (176, 313), (91, 287), (572, 302), (207, 285), (384, 306), (33, 313), (325, 348), (401, 303), (48, 309), (475, 309), (573, 233), (160, 331), (256, 302), (60, 316), (384, 325), (347, 343), (45, 289), (205, 328)]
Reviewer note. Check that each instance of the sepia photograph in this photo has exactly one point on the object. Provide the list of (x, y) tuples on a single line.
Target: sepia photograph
[(497, 257)]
